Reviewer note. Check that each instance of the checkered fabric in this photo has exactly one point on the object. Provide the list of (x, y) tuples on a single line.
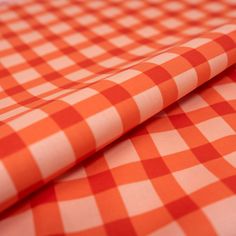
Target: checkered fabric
[(76, 76)]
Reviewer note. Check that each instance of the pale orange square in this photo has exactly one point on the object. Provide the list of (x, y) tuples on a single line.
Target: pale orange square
[(169, 142), (75, 214), (139, 197)]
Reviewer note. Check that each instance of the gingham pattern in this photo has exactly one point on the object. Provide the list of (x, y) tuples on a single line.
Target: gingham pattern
[(74, 119), (174, 175), (75, 77)]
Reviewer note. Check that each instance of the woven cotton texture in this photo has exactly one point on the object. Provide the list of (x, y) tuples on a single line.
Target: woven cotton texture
[(115, 95)]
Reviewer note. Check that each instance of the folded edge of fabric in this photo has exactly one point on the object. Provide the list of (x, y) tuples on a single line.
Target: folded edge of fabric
[(135, 94)]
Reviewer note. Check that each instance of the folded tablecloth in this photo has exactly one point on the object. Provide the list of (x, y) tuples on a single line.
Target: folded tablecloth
[(101, 132)]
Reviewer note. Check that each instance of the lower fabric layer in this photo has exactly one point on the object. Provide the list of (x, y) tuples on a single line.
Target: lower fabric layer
[(173, 175)]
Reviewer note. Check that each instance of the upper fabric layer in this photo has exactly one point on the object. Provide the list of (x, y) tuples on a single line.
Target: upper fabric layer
[(50, 120)]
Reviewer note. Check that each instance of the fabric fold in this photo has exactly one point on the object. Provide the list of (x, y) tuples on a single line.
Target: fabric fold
[(53, 136)]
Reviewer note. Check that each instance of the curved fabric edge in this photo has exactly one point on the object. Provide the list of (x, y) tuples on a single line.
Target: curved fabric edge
[(121, 102)]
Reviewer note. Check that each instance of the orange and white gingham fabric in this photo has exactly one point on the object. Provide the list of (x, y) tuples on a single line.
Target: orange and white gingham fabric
[(76, 76)]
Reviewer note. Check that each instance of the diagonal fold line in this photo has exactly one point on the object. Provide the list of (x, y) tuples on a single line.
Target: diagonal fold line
[(93, 117)]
